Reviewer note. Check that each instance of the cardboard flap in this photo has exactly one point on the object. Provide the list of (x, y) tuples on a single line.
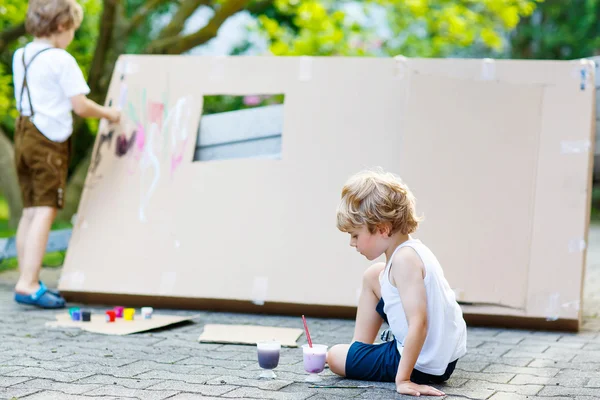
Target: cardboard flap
[(248, 334)]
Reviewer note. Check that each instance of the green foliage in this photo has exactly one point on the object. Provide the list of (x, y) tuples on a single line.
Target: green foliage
[(559, 30), (424, 28), (82, 48), (223, 103)]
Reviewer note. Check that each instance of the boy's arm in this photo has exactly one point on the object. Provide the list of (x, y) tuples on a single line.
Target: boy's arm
[(87, 108), (407, 275)]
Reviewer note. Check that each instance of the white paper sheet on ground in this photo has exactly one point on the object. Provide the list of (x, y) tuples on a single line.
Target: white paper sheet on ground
[(98, 323), (249, 334)]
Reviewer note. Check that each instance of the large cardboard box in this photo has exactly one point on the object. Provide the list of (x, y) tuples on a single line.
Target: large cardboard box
[(498, 153)]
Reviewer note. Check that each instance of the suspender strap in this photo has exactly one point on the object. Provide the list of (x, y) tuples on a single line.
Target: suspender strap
[(26, 66)]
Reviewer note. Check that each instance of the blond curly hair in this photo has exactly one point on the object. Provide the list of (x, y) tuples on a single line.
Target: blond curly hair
[(374, 198), (46, 17)]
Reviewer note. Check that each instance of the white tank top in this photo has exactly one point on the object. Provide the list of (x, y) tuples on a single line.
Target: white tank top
[(446, 339)]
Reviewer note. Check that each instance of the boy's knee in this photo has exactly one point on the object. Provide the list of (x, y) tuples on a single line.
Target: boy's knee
[(336, 359), (371, 275)]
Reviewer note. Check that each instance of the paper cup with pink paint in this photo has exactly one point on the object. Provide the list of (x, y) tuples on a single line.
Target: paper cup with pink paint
[(314, 360)]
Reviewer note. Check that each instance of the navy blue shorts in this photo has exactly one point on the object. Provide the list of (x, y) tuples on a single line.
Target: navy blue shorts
[(379, 362)]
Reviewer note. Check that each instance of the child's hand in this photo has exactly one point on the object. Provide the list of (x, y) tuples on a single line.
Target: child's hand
[(113, 115), (413, 389)]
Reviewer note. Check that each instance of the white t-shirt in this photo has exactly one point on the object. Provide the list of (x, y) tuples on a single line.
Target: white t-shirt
[(446, 338), (53, 78)]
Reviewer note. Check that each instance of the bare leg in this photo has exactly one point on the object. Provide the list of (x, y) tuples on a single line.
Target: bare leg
[(22, 232), (368, 320), (34, 248)]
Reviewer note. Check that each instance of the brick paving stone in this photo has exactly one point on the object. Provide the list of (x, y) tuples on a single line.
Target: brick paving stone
[(14, 393), (562, 365), (54, 395), (594, 383), (131, 383), (37, 372), (513, 396), (207, 390), (255, 393), (521, 370), (265, 384), (6, 381), (46, 384), (485, 377), (171, 376), (524, 379), (568, 391), (526, 389), (475, 394), (119, 391), (193, 396)]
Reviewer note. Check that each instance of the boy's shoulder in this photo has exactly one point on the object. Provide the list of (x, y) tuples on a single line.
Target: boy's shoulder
[(407, 258), (52, 54)]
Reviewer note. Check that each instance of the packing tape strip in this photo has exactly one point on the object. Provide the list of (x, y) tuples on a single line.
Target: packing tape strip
[(553, 308), (577, 245), (488, 69), (575, 146), (305, 69), (259, 290), (400, 67), (126, 67), (584, 73)]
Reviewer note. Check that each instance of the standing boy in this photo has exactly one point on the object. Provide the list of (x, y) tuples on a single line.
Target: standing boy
[(49, 85)]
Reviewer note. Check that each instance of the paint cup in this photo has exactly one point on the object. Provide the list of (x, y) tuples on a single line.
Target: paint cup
[(314, 360), (128, 314), (119, 311), (110, 316), (147, 312), (76, 315), (72, 310), (268, 357), (86, 316)]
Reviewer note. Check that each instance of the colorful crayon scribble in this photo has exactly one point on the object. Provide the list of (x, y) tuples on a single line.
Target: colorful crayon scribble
[(155, 128), (97, 157)]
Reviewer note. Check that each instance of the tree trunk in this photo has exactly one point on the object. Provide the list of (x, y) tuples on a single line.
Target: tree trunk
[(75, 188), (9, 184)]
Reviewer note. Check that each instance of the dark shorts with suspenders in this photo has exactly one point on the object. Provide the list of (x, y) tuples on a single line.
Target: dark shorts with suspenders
[(41, 163), (379, 362)]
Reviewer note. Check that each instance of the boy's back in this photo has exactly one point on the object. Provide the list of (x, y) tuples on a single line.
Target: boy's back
[(53, 77)]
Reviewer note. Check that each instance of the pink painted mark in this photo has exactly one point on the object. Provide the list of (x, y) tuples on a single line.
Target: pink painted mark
[(140, 138), (155, 113), (177, 158)]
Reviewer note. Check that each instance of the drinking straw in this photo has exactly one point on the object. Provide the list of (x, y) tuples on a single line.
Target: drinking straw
[(307, 334)]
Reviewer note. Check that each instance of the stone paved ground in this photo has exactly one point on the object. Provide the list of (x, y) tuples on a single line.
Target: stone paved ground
[(502, 364)]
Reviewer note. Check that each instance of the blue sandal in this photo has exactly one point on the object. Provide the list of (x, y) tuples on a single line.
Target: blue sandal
[(43, 298), (54, 292)]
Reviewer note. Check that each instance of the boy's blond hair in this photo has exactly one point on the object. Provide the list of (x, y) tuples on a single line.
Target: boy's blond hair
[(44, 17), (374, 198)]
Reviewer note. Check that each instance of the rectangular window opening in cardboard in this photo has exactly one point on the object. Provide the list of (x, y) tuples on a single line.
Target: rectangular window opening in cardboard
[(244, 126)]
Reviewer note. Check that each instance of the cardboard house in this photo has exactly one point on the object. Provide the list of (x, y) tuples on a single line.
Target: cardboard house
[(499, 154)]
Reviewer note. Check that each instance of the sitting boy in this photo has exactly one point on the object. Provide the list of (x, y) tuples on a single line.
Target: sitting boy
[(48, 86), (409, 292)]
